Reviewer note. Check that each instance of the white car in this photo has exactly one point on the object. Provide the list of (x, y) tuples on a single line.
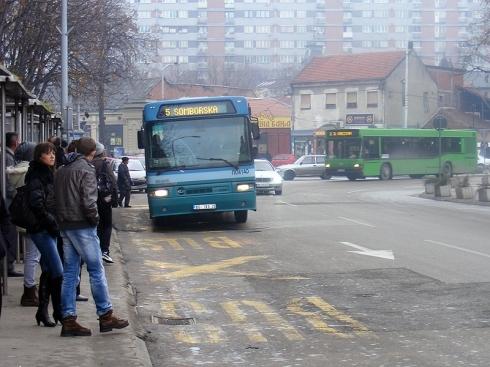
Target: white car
[(266, 177)]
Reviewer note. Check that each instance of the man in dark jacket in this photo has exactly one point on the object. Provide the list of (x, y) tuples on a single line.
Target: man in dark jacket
[(76, 208), (107, 198), (124, 182), (4, 220)]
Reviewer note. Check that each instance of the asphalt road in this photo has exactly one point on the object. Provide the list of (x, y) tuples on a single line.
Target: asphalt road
[(331, 273)]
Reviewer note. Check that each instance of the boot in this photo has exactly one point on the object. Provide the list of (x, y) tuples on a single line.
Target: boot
[(72, 328), (42, 314), (29, 298), (107, 322), (55, 287)]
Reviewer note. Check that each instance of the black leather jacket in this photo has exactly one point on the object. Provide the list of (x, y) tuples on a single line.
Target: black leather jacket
[(76, 194), (40, 188)]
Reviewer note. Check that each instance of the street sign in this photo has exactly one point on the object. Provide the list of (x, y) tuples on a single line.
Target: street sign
[(440, 122)]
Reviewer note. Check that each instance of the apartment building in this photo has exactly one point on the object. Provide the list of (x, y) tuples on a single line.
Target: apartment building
[(214, 34)]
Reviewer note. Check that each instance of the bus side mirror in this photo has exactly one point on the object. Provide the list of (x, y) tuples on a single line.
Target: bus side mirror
[(141, 139), (255, 131), (255, 152)]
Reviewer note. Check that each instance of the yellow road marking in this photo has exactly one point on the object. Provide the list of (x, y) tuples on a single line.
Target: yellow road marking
[(358, 327), (212, 267), (221, 242), (185, 337), (174, 243), (275, 320), (239, 317), (192, 243), (313, 318)]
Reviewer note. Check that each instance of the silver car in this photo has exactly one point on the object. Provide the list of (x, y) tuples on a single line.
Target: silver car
[(307, 165), (266, 177)]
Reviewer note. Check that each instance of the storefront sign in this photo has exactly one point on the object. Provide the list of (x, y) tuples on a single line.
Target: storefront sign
[(270, 122), (359, 119)]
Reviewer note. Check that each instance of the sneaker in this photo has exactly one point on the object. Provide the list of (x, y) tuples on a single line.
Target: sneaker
[(107, 258)]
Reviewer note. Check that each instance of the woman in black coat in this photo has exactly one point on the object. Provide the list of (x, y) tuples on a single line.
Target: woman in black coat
[(44, 230)]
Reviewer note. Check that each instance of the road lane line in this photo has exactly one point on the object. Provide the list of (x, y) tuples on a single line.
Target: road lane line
[(239, 317), (191, 242), (275, 320), (283, 202), (459, 248), (313, 319), (331, 311), (357, 222)]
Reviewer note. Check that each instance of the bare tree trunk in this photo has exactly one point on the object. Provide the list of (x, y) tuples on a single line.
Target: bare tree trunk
[(101, 107)]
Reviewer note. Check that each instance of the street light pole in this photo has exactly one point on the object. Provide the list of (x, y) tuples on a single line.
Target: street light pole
[(162, 91), (64, 64)]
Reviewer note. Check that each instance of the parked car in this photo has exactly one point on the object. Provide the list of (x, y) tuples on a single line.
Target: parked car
[(266, 177), (281, 159), (136, 171), (307, 165)]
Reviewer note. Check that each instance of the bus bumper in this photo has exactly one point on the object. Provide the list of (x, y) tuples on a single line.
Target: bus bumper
[(164, 207), (348, 172)]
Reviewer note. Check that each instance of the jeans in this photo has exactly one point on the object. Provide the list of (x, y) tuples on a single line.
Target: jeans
[(50, 258), (31, 260), (83, 244)]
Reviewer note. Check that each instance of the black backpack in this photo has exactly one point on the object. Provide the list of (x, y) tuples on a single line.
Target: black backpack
[(105, 188), (20, 212)]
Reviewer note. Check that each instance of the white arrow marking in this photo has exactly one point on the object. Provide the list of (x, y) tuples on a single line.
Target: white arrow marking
[(384, 254)]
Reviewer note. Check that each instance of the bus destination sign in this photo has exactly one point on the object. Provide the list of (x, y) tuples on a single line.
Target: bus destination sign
[(196, 109), (342, 133)]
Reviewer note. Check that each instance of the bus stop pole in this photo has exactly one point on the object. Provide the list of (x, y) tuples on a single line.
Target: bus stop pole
[(3, 111)]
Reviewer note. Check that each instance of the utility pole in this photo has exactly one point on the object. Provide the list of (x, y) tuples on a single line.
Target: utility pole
[(64, 65), (405, 96)]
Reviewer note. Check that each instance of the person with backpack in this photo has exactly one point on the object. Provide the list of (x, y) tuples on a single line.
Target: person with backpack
[(16, 175), (106, 199)]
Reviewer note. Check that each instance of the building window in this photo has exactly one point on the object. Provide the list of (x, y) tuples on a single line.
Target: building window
[(331, 101), (351, 100), (305, 101), (372, 98)]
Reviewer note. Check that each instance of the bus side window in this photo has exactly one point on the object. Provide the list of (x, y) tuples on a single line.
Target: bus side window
[(371, 148)]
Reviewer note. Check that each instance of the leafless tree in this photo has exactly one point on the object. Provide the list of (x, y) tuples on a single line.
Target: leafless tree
[(102, 45), (477, 57)]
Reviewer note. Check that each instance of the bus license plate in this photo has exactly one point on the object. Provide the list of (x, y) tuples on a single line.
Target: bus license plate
[(204, 206), (341, 170)]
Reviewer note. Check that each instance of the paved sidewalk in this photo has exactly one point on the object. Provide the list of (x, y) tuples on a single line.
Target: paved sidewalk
[(23, 343)]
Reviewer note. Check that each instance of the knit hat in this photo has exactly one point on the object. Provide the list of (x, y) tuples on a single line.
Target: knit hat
[(99, 148)]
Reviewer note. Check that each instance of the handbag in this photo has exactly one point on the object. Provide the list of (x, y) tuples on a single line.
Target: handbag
[(20, 212)]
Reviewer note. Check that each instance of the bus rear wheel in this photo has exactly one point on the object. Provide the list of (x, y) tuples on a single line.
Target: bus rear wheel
[(241, 216), (385, 172), (447, 169)]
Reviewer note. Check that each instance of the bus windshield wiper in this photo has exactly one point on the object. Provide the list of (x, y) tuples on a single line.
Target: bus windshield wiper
[(235, 166)]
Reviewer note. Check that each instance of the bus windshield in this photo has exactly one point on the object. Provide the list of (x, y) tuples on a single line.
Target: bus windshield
[(199, 143), (344, 148)]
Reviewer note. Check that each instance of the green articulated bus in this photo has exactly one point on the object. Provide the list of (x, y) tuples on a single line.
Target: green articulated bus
[(384, 153)]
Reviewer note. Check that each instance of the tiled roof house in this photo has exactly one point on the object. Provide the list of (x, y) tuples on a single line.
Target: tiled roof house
[(362, 90)]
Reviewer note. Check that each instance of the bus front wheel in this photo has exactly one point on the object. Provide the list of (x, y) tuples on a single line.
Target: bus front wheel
[(241, 216), (385, 172)]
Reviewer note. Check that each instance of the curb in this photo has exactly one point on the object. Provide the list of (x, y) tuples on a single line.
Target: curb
[(138, 332)]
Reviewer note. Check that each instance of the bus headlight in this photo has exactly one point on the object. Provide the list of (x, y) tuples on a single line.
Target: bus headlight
[(244, 187), (327, 165), (357, 165), (161, 193)]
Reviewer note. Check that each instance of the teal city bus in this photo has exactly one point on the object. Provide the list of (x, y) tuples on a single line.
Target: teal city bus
[(384, 153), (199, 156)]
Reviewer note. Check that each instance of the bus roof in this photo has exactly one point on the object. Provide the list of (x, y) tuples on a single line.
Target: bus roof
[(402, 132), (151, 109)]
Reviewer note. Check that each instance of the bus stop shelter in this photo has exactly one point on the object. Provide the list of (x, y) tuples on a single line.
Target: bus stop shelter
[(23, 113)]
